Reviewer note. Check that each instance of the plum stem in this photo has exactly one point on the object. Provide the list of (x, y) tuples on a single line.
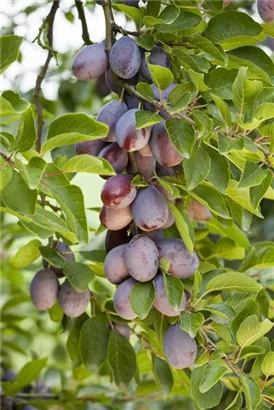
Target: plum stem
[(82, 17), (109, 21)]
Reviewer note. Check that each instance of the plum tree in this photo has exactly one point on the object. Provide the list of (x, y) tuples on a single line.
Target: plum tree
[(180, 349), (64, 250), (44, 289), (150, 209), (125, 57), (118, 191), (162, 148), (109, 115), (115, 219), (116, 156), (142, 250), (157, 57), (115, 266), (161, 302), (90, 62), (128, 137), (123, 329), (92, 147), (146, 165), (72, 303), (198, 211), (182, 263), (121, 300), (266, 10), (116, 238)]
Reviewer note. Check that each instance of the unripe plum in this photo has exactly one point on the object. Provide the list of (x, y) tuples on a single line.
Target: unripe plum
[(65, 252), (142, 258), (43, 289), (118, 191), (125, 57), (121, 300), (162, 148), (157, 57), (161, 302), (115, 265), (128, 137), (198, 211), (90, 62), (266, 10), (182, 264), (123, 329), (109, 115), (180, 349), (115, 219), (146, 165), (116, 156), (92, 147), (150, 209), (116, 238), (73, 304)]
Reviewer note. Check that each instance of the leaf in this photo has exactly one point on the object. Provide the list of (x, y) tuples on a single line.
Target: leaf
[(212, 199), (208, 47), (146, 119), (71, 128), (268, 364), (191, 322), (198, 81), (78, 274), (233, 281), (72, 344), (184, 226), (146, 91), (212, 374), (220, 82), (245, 91), (121, 359), (236, 403), (94, 339), (180, 104), (26, 135), (250, 308), (252, 175), (17, 196), (12, 104), (223, 108), (260, 256), (163, 375), (219, 169), (241, 196), (35, 169), (131, 12), (204, 400), (88, 163), (9, 48), (26, 255), (251, 330), (5, 176), (225, 248), (251, 391), (196, 167), (185, 23), (181, 135), (141, 298), (174, 291), (162, 77)]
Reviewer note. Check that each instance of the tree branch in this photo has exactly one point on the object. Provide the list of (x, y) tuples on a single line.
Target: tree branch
[(82, 17), (39, 109), (109, 21)]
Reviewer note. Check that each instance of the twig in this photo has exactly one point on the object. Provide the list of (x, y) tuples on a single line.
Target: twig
[(39, 109), (82, 17), (109, 21), (119, 29)]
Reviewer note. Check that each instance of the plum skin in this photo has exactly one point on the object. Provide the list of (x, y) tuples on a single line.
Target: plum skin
[(44, 289), (115, 156), (115, 219), (73, 304), (161, 301), (121, 300), (109, 114), (125, 58), (92, 147), (162, 148), (180, 349), (128, 137), (90, 62), (115, 266), (266, 10), (118, 191)]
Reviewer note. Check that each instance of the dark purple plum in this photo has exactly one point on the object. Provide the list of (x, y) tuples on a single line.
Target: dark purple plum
[(125, 57), (101, 88), (114, 82), (123, 329), (132, 3), (115, 219), (180, 349), (146, 165), (8, 376), (266, 10), (165, 171), (161, 302), (155, 235), (90, 62), (44, 289), (92, 147), (121, 300), (162, 95), (131, 101), (115, 266), (64, 250), (118, 191), (73, 303), (116, 156), (116, 238), (162, 148), (128, 137), (109, 115), (142, 258), (157, 57), (182, 263)]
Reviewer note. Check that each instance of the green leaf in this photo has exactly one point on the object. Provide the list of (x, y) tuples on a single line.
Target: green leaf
[(233, 281), (223, 108), (26, 135), (220, 81), (257, 193), (198, 81), (221, 310), (251, 391), (141, 298), (236, 403), (181, 134), (251, 330), (147, 42), (56, 313), (72, 344), (212, 199), (196, 285), (185, 23), (204, 400), (174, 291), (245, 91), (131, 12), (146, 119), (121, 359), (250, 308), (184, 226), (94, 339), (181, 104), (212, 374), (146, 91), (191, 322), (162, 77), (268, 364), (163, 375), (241, 196), (260, 256), (196, 167), (251, 352), (225, 248), (26, 255), (71, 128), (5, 176), (88, 163), (18, 197), (11, 104), (264, 111), (9, 48), (219, 169), (31, 172), (252, 175), (208, 47), (79, 275)]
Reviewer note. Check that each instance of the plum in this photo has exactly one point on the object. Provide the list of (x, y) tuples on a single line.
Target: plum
[(125, 57), (116, 238), (266, 10), (198, 212), (44, 289), (162, 148), (118, 191), (128, 137), (145, 151), (123, 329), (92, 147), (164, 171), (64, 250), (146, 165), (101, 88), (180, 349), (115, 219), (131, 101), (157, 57), (142, 258), (170, 221), (115, 266), (90, 62), (121, 300), (155, 235), (109, 115), (182, 264), (73, 303), (116, 156), (150, 209), (161, 302), (132, 3)]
